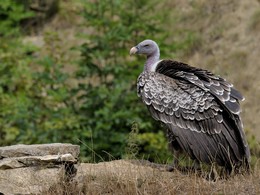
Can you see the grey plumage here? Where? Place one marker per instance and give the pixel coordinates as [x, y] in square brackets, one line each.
[200, 110]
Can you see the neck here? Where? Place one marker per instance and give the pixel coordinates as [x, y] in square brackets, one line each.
[151, 61]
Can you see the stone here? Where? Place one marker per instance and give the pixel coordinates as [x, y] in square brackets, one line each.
[26, 161]
[33, 169]
[39, 150]
[29, 180]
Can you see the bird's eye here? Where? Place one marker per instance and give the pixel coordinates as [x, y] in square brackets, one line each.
[146, 45]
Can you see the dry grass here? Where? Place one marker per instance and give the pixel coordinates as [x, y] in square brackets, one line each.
[255, 21]
[123, 177]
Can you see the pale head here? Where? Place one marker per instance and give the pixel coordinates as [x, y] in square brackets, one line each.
[150, 49]
[147, 47]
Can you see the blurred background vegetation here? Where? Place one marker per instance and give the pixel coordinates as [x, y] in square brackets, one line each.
[66, 74]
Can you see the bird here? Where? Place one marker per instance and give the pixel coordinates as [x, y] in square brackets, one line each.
[200, 110]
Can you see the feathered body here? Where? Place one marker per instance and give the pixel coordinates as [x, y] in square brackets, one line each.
[200, 110]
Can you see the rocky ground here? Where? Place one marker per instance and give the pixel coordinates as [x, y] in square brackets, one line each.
[55, 169]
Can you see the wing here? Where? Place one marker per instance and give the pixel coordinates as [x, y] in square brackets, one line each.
[193, 115]
[219, 87]
[224, 92]
[181, 102]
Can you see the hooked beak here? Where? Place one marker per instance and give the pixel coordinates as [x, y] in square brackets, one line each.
[133, 50]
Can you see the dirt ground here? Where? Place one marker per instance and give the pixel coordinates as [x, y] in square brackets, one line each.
[127, 177]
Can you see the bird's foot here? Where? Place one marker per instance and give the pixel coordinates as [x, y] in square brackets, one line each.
[170, 168]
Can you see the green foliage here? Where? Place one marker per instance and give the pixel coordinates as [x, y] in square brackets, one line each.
[36, 106]
[51, 116]
[154, 147]
[12, 13]
[109, 101]
[15, 74]
[15, 81]
[35, 100]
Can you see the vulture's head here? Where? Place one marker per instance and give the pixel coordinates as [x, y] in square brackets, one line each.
[146, 47]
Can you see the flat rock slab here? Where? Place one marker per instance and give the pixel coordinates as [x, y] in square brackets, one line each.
[33, 169]
[29, 180]
[39, 150]
[27, 161]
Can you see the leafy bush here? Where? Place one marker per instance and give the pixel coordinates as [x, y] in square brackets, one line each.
[35, 105]
[34, 93]
[109, 101]
[14, 73]
[12, 13]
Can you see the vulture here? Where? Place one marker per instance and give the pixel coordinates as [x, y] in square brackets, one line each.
[200, 110]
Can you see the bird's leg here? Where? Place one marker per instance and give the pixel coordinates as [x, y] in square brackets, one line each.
[175, 149]
[176, 157]
[213, 174]
[175, 162]
[196, 165]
